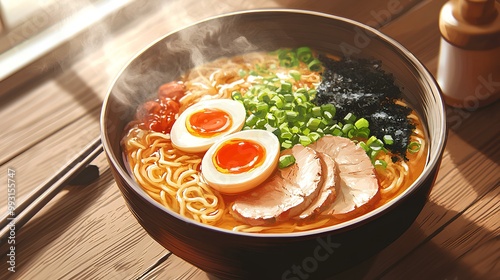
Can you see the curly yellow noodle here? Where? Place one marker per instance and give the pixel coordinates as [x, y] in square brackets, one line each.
[154, 174]
[169, 190]
[136, 144]
[170, 163]
[165, 174]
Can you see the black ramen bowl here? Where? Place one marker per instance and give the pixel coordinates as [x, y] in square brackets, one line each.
[230, 255]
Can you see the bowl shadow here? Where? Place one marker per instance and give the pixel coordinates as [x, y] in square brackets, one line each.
[433, 260]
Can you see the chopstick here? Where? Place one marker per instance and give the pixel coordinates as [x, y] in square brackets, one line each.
[46, 191]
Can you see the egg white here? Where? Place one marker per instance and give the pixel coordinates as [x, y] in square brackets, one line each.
[237, 183]
[183, 140]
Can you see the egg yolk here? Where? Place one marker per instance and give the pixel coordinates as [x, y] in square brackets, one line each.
[208, 122]
[238, 155]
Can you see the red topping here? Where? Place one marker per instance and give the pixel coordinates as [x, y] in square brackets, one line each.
[172, 90]
[160, 114]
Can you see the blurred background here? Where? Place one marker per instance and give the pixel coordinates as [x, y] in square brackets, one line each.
[41, 35]
[37, 34]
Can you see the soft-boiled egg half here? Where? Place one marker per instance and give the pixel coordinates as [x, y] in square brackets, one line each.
[201, 124]
[240, 161]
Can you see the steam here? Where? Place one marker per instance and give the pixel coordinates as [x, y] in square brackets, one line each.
[180, 51]
[172, 56]
[210, 40]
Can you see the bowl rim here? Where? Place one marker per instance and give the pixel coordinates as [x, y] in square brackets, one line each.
[431, 165]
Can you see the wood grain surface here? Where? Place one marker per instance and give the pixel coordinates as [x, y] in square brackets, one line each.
[87, 232]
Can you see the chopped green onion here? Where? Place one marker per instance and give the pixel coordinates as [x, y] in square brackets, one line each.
[300, 98]
[301, 109]
[364, 146]
[236, 95]
[304, 54]
[380, 163]
[287, 144]
[313, 124]
[291, 115]
[329, 108]
[376, 145]
[288, 98]
[284, 126]
[347, 127]
[314, 65]
[316, 111]
[242, 73]
[363, 132]
[264, 97]
[295, 75]
[327, 115]
[388, 139]
[361, 123]
[286, 87]
[373, 154]
[278, 101]
[288, 58]
[280, 115]
[329, 118]
[352, 133]
[371, 140]
[261, 109]
[271, 128]
[312, 93]
[304, 140]
[271, 119]
[261, 123]
[294, 129]
[325, 123]
[251, 106]
[285, 161]
[414, 147]
[350, 118]
[277, 132]
[336, 130]
[251, 120]
[289, 106]
[314, 136]
[286, 135]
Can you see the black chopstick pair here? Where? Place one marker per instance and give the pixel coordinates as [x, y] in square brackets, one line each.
[77, 171]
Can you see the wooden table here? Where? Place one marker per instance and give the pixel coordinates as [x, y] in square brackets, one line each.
[87, 232]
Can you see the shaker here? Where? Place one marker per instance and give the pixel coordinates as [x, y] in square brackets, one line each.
[469, 57]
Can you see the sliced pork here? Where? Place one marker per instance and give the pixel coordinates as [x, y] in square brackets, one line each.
[287, 193]
[327, 192]
[358, 187]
